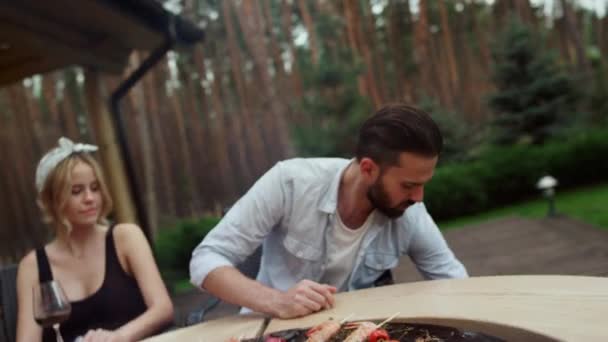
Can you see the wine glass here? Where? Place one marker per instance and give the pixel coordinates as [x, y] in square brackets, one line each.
[51, 306]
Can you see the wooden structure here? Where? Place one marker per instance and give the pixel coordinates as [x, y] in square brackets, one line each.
[99, 35]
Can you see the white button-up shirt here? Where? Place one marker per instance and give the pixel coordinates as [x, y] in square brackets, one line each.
[291, 209]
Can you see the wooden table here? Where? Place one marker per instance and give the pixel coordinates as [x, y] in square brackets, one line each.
[519, 308]
[240, 326]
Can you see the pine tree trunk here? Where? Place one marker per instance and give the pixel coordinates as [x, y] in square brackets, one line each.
[74, 106]
[599, 33]
[574, 35]
[252, 144]
[157, 104]
[142, 126]
[49, 94]
[281, 85]
[252, 25]
[189, 181]
[366, 82]
[481, 35]
[438, 66]
[564, 43]
[448, 47]
[220, 136]
[209, 167]
[422, 42]
[467, 73]
[196, 131]
[286, 25]
[68, 113]
[23, 129]
[398, 50]
[34, 114]
[310, 28]
[376, 70]
[525, 12]
[604, 40]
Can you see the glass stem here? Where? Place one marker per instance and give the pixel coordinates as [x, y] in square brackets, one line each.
[57, 333]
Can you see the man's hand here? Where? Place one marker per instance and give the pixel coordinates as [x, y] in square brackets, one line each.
[303, 299]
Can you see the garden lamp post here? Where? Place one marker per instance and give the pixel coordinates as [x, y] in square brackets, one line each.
[547, 185]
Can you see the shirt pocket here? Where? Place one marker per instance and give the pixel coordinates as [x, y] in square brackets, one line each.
[301, 250]
[374, 265]
[379, 262]
[301, 260]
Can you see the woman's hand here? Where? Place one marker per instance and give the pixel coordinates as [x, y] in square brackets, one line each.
[100, 335]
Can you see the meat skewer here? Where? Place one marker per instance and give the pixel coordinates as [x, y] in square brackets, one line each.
[365, 329]
[324, 331]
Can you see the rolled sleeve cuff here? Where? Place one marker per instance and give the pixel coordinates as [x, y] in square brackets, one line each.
[202, 264]
[451, 269]
[460, 271]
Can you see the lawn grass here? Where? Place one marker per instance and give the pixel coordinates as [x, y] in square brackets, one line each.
[589, 204]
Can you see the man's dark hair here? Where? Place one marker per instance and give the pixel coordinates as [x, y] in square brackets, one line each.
[395, 129]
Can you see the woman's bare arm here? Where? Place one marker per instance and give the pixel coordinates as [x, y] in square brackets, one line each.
[27, 276]
[143, 267]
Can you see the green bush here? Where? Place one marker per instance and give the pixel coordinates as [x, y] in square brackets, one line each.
[503, 175]
[173, 246]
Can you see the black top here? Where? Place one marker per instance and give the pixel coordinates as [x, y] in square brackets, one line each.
[117, 302]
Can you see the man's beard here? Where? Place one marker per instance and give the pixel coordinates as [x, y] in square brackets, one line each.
[379, 199]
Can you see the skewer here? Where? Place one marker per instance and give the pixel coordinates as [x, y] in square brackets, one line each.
[345, 319]
[259, 337]
[388, 319]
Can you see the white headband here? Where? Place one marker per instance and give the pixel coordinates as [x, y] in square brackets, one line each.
[50, 160]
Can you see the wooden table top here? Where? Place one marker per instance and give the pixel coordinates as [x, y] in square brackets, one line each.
[239, 326]
[531, 308]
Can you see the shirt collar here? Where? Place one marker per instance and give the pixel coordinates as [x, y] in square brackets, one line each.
[328, 202]
[329, 199]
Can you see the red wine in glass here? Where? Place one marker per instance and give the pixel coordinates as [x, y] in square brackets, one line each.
[50, 320]
[51, 306]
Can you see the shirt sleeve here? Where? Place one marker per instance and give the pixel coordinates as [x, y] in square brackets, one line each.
[429, 250]
[242, 229]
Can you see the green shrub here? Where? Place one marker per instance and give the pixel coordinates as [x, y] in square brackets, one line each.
[503, 175]
[173, 246]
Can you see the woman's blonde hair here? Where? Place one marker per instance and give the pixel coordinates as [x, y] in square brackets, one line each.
[53, 197]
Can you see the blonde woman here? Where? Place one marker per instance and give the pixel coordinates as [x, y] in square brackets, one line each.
[107, 272]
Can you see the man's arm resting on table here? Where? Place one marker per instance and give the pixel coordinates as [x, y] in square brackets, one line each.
[430, 252]
[306, 297]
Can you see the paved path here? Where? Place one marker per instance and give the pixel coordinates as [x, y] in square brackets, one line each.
[515, 245]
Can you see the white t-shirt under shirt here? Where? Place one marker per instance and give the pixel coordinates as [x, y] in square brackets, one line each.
[342, 247]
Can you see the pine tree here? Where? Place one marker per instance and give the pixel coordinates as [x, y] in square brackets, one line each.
[332, 104]
[533, 95]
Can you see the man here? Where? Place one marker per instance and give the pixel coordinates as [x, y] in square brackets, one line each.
[330, 224]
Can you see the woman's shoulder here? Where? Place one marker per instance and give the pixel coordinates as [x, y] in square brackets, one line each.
[128, 233]
[29, 260]
[28, 267]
